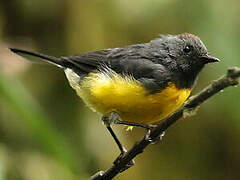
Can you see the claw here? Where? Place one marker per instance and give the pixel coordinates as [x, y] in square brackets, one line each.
[155, 140]
[130, 164]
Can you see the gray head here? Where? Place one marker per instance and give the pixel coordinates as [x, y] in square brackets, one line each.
[184, 53]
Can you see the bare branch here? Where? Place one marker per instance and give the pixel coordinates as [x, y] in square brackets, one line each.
[230, 79]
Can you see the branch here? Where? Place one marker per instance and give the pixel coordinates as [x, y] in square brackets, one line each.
[230, 79]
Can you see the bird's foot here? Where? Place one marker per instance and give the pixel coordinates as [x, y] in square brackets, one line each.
[123, 153]
[155, 139]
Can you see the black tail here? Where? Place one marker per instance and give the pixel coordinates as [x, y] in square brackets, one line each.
[51, 59]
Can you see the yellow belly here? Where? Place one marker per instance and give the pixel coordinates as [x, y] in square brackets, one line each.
[129, 98]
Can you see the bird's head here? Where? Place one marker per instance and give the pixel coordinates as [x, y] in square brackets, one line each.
[184, 53]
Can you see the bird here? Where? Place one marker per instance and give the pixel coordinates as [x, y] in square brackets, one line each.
[135, 85]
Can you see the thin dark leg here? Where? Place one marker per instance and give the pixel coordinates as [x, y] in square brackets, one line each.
[107, 120]
[145, 126]
[148, 127]
[120, 146]
[111, 118]
[114, 118]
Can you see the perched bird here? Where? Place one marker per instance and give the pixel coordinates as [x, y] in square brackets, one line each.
[136, 85]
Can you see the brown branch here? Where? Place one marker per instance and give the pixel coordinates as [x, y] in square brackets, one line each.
[230, 79]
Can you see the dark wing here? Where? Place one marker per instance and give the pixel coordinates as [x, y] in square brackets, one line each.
[130, 60]
[90, 61]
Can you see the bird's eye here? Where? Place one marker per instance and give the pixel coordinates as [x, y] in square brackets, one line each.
[187, 49]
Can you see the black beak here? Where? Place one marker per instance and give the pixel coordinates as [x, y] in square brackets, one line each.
[209, 59]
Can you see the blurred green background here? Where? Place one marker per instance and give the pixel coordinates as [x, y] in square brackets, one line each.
[47, 133]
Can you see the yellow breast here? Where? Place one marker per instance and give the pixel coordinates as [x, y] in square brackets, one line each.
[129, 98]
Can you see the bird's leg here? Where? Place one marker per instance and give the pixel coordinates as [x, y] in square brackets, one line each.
[145, 126]
[107, 120]
[117, 120]
[148, 127]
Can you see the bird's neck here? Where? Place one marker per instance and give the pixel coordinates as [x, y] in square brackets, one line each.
[186, 82]
[186, 79]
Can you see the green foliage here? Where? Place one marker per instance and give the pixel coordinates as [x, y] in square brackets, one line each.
[28, 113]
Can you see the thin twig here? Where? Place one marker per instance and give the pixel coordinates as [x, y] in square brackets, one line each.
[230, 79]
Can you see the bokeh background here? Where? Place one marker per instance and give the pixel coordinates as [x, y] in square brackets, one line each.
[47, 133]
